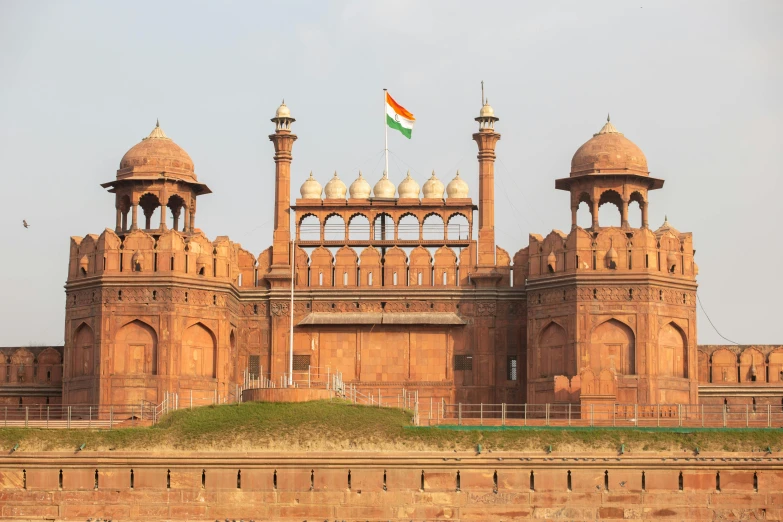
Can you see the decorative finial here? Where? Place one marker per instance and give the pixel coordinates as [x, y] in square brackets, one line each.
[157, 122]
[360, 174]
[665, 217]
[283, 102]
[335, 173]
[608, 119]
[385, 174]
[482, 92]
[457, 172]
[311, 174]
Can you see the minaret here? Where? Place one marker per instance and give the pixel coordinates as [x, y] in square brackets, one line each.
[283, 141]
[486, 138]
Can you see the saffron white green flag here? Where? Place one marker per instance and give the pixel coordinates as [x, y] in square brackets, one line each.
[398, 117]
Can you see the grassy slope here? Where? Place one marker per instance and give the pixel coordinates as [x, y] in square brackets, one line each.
[338, 425]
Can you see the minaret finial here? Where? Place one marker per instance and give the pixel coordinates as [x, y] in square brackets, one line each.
[608, 119]
[482, 92]
[283, 101]
[157, 122]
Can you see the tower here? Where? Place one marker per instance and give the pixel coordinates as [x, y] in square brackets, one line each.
[156, 174]
[283, 140]
[611, 310]
[486, 139]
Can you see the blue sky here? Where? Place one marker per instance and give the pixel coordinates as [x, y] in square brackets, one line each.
[696, 85]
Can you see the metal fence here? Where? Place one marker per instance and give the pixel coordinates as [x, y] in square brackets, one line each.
[78, 416]
[607, 415]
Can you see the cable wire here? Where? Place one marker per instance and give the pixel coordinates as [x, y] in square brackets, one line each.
[710, 320]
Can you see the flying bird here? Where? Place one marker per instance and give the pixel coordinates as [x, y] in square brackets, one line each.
[24, 222]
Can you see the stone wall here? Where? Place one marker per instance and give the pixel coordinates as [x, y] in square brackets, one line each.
[371, 486]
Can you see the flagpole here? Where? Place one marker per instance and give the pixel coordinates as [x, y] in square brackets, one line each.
[385, 135]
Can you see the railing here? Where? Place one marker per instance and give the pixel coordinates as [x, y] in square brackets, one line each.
[77, 416]
[613, 415]
[405, 232]
[313, 377]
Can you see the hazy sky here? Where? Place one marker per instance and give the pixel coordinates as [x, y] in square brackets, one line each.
[696, 85]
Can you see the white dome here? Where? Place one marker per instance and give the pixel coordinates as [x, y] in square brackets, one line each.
[433, 188]
[310, 189]
[360, 189]
[457, 188]
[283, 111]
[335, 189]
[408, 188]
[384, 188]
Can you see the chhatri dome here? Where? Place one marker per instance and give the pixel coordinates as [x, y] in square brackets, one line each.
[310, 189]
[360, 189]
[335, 189]
[609, 152]
[154, 155]
[408, 188]
[384, 188]
[433, 188]
[457, 188]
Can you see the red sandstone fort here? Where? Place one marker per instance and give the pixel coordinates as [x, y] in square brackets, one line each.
[394, 287]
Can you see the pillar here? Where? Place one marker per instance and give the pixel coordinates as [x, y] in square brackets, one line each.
[118, 225]
[624, 214]
[283, 141]
[644, 214]
[574, 211]
[594, 213]
[186, 228]
[163, 217]
[135, 216]
[486, 139]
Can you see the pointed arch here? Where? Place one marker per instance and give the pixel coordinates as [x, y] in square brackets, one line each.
[135, 349]
[82, 351]
[553, 357]
[199, 352]
[672, 351]
[612, 346]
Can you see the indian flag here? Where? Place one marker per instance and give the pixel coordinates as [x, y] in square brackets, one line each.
[398, 117]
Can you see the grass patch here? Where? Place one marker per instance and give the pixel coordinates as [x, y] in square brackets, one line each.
[338, 426]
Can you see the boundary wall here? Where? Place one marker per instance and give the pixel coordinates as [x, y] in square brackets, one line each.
[385, 486]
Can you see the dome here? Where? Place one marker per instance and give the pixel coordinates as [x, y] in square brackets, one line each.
[384, 188]
[609, 152]
[666, 227]
[457, 188]
[283, 111]
[310, 189]
[360, 189]
[433, 188]
[487, 111]
[157, 154]
[335, 189]
[408, 188]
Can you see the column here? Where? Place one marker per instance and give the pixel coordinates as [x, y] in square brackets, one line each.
[134, 217]
[283, 141]
[486, 139]
[117, 227]
[163, 217]
[192, 220]
[624, 214]
[186, 228]
[574, 210]
[594, 212]
[643, 204]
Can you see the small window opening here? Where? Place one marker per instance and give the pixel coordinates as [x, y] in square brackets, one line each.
[60, 480]
[717, 481]
[203, 479]
[684, 298]
[345, 278]
[104, 262]
[606, 480]
[644, 482]
[320, 279]
[394, 279]
[255, 309]
[646, 260]
[419, 278]
[539, 298]
[630, 294]
[445, 278]
[369, 279]
[168, 479]
[239, 479]
[312, 480]
[172, 263]
[186, 263]
[422, 480]
[532, 481]
[349, 479]
[131, 479]
[754, 399]
[96, 480]
[214, 299]
[564, 295]
[155, 262]
[201, 271]
[458, 481]
[660, 295]
[463, 362]
[384, 480]
[121, 263]
[755, 482]
[119, 295]
[154, 295]
[680, 481]
[274, 480]
[186, 297]
[214, 267]
[568, 480]
[24, 479]
[595, 293]
[495, 481]
[511, 368]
